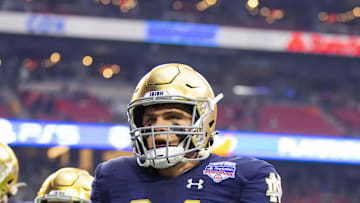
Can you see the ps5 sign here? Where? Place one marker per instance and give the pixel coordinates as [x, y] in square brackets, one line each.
[117, 137]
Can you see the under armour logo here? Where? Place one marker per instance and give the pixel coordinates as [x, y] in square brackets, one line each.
[199, 184]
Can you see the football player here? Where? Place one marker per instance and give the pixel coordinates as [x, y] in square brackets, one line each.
[66, 185]
[9, 171]
[172, 117]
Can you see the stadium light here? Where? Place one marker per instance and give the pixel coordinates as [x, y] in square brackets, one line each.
[252, 3]
[201, 6]
[115, 68]
[356, 11]
[55, 57]
[47, 63]
[108, 73]
[177, 5]
[57, 151]
[106, 2]
[87, 60]
[247, 90]
[265, 11]
[323, 16]
[211, 2]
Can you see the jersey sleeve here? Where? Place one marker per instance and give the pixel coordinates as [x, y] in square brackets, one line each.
[99, 192]
[263, 186]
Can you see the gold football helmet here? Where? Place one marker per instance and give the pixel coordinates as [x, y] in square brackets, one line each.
[66, 185]
[173, 83]
[9, 171]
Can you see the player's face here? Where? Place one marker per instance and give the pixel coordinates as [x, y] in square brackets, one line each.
[165, 115]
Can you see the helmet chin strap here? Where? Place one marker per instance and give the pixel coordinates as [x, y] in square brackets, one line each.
[204, 154]
[143, 163]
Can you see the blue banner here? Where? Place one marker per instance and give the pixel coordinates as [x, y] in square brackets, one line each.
[45, 24]
[182, 33]
[117, 137]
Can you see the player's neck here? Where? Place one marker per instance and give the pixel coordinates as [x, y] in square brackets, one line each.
[176, 170]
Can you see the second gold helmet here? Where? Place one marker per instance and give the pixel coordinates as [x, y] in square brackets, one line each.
[9, 171]
[66, 185]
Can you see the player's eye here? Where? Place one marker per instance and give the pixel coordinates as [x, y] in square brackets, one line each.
[172, 117]
[149, 121]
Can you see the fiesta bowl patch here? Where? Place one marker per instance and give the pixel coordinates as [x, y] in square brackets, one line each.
[219, 171]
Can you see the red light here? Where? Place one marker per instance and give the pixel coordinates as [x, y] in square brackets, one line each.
[331, 19]
[30, 64]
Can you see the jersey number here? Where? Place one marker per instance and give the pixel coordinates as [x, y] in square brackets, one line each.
[148, 201]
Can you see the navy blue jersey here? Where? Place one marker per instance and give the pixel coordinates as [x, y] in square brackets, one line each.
[215, 179]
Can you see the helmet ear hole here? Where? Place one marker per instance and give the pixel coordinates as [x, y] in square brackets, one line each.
[211, 123]
[211, 141]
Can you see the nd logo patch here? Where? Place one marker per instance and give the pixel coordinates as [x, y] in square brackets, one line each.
[274, 190]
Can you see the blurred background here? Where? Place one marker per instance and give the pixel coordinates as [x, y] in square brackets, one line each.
[290, 72]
